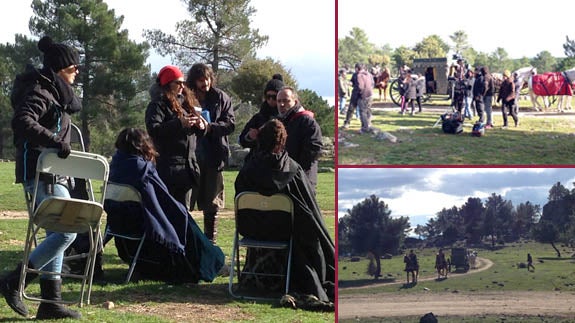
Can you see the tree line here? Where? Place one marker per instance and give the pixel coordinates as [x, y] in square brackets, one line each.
[369, 227]
[114, 78]
[356, 47]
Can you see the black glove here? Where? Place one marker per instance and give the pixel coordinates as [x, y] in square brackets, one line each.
[63, 149]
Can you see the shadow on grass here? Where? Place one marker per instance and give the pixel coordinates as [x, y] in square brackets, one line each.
[556, 258]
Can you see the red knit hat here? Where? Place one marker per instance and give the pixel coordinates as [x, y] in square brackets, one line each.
[169, 73]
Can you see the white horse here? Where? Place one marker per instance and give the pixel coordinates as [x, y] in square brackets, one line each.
[472, 258]
[564, 101]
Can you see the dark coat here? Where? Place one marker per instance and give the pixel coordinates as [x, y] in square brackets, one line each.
[304, 141]
[42, 105]
[175, 144]
[479, 86]
[506, 91]
[175, 240]
[410, 89]
[213, 148]
[265, 114]
[313, 270]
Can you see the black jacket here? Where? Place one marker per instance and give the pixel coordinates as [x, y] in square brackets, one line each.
[313, 269]
[175, 144]
[265, 114]
[213, 148]
[42, 105]
[304, 141]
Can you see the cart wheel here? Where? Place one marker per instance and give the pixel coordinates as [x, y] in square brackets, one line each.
[394, 92]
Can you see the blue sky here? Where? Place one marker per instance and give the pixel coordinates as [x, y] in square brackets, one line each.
[422, 192]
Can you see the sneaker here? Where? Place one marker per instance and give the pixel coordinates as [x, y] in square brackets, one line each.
[488, 126]
[504, 127]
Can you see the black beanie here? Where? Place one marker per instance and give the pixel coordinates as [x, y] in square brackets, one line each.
[57, 56]
[274, 85]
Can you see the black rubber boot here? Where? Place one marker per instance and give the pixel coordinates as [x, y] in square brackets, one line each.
[9, 288]
[51, 290]
[210, 226]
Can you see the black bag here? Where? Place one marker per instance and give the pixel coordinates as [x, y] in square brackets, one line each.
[428, 318]
[452, 123]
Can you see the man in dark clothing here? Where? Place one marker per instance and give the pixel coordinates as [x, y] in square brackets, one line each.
[488, 95]
[353, 100]
[272, 171]
[212, 150]
[478, 93]
[268, 110]
[304, 134]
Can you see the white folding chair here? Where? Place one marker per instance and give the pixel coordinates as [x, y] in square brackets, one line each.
[71, 215]
[122, 193]
[272, 216]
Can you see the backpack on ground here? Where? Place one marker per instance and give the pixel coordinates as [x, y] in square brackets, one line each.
[452, 123]
[428, 318]
[478, 129]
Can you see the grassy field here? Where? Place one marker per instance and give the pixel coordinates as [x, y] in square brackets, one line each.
[537, 140]
[551, 273]
[147, 301]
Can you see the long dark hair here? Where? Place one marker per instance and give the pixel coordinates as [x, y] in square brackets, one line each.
[136, 141]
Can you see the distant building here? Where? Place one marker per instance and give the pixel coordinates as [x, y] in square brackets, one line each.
[439, 67]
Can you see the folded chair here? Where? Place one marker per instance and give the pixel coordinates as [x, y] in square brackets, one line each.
[264, 222]
[122, 198]
[71, 215]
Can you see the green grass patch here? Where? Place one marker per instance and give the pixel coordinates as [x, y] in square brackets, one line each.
[551, 273]
[537, 140]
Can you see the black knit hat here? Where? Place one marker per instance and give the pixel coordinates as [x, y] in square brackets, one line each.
[57, 56]
[275, 84]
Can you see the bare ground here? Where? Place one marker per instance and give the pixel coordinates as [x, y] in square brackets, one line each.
[556, 304]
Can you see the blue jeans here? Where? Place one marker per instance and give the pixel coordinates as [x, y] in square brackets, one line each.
[342, 104]
[49, 254]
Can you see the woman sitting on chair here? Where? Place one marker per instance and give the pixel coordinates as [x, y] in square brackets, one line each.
[176, 250]
[272, 171]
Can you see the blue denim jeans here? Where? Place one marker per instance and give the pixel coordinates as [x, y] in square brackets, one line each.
[49, 254]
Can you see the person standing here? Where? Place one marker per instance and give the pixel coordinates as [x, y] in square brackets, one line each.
[43, 101]
[365, 86]
[414, 266]
[304, 141]
[530, 262]
[507, 98]
[354, 98]
[478, 93]
[410, 93]
[173, 124]
[488, 96]
[268, 111]
[212, 149]
[342, 87]
[420, 90]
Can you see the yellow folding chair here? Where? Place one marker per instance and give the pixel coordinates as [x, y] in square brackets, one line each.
[264, 222]
[71, 215]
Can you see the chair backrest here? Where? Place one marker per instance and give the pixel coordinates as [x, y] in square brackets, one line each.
[68, 215]
[77, 164]
[122, 193]
[264, 217]
[76, 137]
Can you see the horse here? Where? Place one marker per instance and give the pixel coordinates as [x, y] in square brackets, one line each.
[472, 258]
[441, 265]
[381, 82]
[562, 87]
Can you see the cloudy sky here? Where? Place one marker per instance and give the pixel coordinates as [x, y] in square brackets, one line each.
[521, 28]
[301, 33]
[422, 192]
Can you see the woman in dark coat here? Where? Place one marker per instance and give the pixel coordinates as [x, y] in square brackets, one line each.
[181, 252]
[174, 124]
[272, 171]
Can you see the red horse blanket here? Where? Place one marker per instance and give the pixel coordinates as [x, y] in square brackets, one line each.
[552, 83]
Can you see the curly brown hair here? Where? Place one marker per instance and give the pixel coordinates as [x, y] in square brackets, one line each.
[272, 137]
[134, 141]
[190, 101]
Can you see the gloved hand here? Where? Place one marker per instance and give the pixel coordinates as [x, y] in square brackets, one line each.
[63, 149]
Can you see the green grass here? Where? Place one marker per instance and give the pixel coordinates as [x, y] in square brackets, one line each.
[552, 274]
[155, 301]
[537, 140]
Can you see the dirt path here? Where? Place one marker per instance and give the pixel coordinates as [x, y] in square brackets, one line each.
[458, 304]
[555, 304]
[481, 265]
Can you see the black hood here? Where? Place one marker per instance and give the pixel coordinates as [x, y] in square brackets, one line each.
[271, 173]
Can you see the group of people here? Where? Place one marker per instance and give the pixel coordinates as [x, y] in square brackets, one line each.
[474, 90]
[175, 163]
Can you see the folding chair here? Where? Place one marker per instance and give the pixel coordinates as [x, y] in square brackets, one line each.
[264, 222]
[120, 198]
[72, 215]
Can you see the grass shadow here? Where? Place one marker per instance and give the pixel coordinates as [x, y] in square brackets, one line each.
[364, 282]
